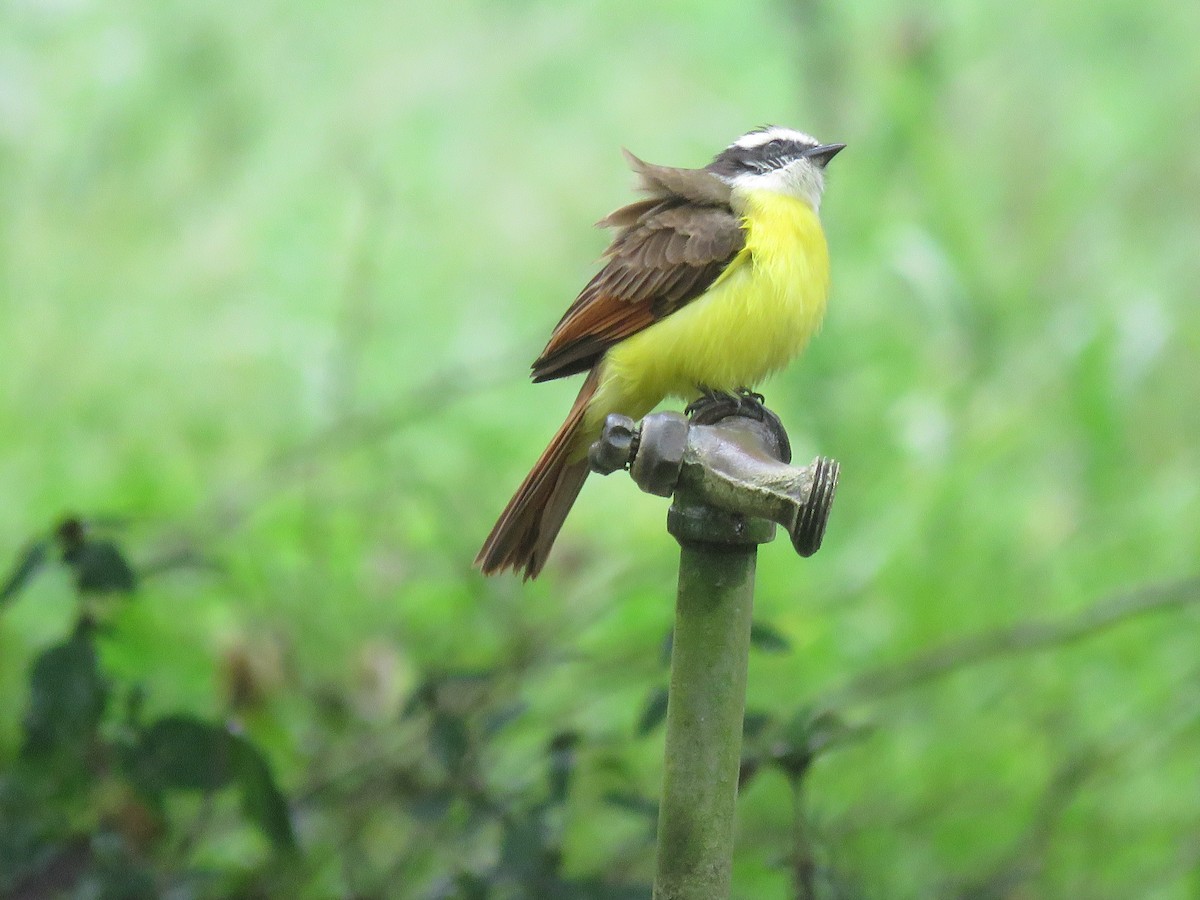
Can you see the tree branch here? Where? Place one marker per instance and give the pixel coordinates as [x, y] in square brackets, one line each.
[1023, 637]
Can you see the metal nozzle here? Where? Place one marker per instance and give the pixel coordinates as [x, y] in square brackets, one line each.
[733, 465]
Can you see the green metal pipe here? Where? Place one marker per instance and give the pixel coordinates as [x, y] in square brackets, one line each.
[707, 700]
[723, 459]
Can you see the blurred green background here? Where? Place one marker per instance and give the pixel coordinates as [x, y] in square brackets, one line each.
[270, 278]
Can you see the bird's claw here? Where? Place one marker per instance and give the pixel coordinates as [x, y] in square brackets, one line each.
[713, 405]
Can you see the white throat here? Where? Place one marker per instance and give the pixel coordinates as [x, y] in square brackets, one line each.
[801, 179]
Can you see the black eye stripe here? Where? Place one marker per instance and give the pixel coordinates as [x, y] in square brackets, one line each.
[769, 155]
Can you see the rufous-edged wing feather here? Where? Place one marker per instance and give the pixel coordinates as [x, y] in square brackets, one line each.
[668, 250]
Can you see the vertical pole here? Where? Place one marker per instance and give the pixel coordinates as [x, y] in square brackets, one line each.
[736, 460]
[707, 699]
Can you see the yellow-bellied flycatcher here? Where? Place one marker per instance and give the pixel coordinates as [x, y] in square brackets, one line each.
[714, 281]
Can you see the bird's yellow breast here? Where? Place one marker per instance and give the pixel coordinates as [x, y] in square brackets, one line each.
[753, 320]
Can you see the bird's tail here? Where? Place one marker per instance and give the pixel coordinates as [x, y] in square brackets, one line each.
[525, 531]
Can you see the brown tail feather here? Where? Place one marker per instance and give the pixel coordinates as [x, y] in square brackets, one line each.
[525, 531]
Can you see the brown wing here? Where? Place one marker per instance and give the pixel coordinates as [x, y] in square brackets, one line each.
[670, 248]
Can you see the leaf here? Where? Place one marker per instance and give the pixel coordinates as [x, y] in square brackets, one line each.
[806, 737]
[31, 825]
[653, 713]
[754, 723]
[465, 886]
[116, 873]
[183, 753]
[449, 741]
[749, 767]
[768, 639]
[48, 866]
[756, 726]
[429, 804]
[100, 568]
[421, 698]
[790, 751]
[561, 764]
[67, 695]
[29, 564]
[829, 730]
[262, 801]
[135, 703]
[457, 692]
[632, 802]
[527, 853]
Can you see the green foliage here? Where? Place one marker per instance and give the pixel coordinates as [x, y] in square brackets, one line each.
[28, 565]
[67, 696]
[86, 801]
[269, 279]
[654, 713]
[769, 639]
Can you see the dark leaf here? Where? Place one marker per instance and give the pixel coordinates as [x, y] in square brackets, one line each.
[472, 887]
[754, 724]
[653, 713]
[768, 639]
[449, 741]
[31, 824]
[830, 730]
[29, 564]
[561, 764]
[526, 851]
[135, 702]
[631, 802]
[183, 753]
[825, 730]
[116, 873]
[464, 886]
[52, 869]
[806, 736]
[70, 533]
[456, 692]
[101, 568]
[790, 751]
[750, 766]
[262, 801]
[67, 695]
[422, 697]
[429, 804]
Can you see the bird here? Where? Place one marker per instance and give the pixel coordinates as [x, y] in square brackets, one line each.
[715, 279]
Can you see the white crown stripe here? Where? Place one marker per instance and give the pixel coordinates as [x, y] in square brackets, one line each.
[775, 132]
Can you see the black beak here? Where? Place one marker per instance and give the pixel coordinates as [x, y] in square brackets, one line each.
[823, 154]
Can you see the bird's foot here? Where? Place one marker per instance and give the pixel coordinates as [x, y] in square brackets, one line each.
[712, 406]
[707, 397]
[752, 401]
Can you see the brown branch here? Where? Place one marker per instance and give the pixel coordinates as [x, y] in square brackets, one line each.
[804, 866]
[1023, 637]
